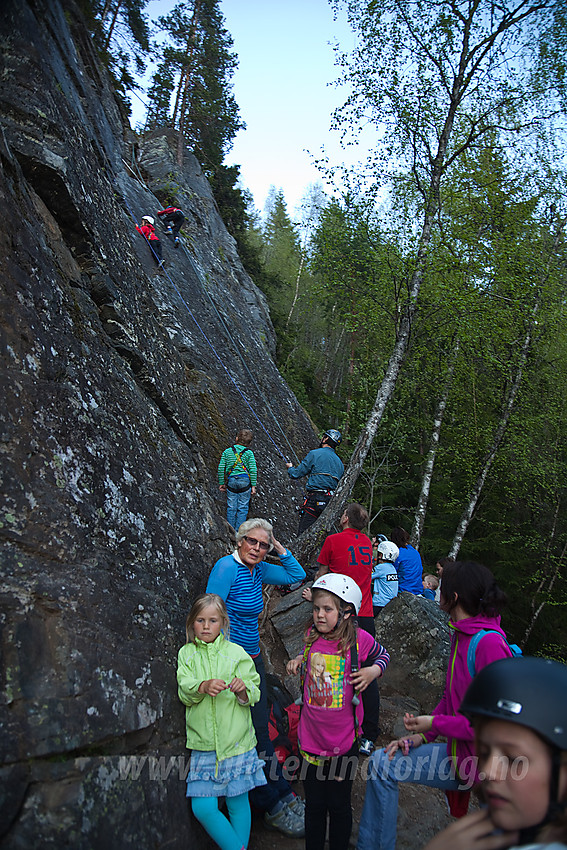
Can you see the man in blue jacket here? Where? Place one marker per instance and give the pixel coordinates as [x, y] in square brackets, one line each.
[324, 469]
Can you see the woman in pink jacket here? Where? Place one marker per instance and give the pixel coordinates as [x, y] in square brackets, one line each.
[473, 600]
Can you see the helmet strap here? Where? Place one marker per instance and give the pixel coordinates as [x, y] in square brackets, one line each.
[555, 807]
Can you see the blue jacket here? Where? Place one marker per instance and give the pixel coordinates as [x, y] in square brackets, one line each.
[410, 570]
[385, 583]
[323, 466]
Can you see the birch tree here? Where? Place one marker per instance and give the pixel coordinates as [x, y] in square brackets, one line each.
[434, 78]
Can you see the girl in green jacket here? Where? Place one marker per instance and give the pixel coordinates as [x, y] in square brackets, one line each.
[218, 682]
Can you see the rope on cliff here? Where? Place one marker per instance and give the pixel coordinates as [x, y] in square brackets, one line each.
[211, 346]
[236, 348]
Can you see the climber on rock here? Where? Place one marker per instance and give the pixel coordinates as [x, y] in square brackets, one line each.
[148, 231]
[174, 218]
[324, 469]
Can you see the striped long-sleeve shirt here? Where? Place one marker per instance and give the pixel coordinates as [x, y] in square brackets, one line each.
[241, 590]
[229, 466]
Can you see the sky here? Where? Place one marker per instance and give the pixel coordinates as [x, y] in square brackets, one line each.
[284, 89]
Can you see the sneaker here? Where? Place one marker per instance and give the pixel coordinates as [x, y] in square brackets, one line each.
[366, 747]
[297, 806]
[286, 822]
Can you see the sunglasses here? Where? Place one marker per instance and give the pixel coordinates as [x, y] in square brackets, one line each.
[253, 542]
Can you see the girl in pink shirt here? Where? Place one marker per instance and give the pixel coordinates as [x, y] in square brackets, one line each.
[332, 712]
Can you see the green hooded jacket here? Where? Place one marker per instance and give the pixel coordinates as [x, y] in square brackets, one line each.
[218, 723]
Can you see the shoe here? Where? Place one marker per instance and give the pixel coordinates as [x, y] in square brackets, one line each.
[366, 747]
[286, 822]
[297, 806]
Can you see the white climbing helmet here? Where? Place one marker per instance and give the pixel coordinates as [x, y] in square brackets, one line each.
[389, 550]
[342, 586]
[149, 219]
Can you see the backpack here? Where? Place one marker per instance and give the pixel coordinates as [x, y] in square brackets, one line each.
[283, 720]
[476, 639]
[239, 486]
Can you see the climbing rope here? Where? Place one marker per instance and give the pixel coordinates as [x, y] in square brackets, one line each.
[208, 341]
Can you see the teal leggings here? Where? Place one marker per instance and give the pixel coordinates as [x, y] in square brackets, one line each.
[230, 833]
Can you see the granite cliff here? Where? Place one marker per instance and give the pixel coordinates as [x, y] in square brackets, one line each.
[120, 387]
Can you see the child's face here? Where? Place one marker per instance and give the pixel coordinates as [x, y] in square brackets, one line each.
[207, 627]
[325, 612]
[428, 583]
[319, 668]
[515, 771]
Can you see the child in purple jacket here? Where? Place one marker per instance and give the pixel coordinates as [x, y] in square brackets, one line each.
[473, 600]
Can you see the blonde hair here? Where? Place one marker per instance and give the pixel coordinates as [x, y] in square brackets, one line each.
[433, 581]
[344, 631]
[205, 600]
[318, 658]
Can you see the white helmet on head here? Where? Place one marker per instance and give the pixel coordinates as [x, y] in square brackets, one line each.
[342, 586]
[389, 550]
[149, 219]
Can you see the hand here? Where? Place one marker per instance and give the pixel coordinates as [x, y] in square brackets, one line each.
[252, 491]
[222, 488]
[288, 464]
[212, 687]
[473, 832]
[422, 723]
[238, 688]
[307, 594]
[362, 678]
[403, 744]
[280, 550]
[292, 667]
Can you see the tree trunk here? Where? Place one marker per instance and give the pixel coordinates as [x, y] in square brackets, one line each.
[112, 25]
[488, 460]
[421, 509]
[296, 291]
[547, 582]
[183, 88]
[312, 537]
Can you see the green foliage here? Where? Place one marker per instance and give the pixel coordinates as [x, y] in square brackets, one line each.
[195, 70]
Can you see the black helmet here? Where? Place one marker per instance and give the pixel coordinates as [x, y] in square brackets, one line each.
[524, 690]
[333, 435]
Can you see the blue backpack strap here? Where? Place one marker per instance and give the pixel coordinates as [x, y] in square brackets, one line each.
[476, 639]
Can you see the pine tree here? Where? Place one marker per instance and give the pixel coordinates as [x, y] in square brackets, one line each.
[191, 89]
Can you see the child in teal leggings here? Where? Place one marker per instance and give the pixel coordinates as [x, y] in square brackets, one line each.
[218, 682]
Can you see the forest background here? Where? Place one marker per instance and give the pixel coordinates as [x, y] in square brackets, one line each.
[418, 304]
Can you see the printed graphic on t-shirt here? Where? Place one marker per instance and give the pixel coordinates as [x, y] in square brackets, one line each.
[325, 685]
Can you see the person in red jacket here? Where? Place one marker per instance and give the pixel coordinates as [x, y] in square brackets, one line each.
[148, 230]
[174, 218]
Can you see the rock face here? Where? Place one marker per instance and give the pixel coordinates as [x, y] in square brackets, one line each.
[119, 389]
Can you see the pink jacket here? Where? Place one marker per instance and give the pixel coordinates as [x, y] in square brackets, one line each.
[446, 718]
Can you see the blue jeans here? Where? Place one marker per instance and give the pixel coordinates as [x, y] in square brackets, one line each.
[428, 765]
[237, 503]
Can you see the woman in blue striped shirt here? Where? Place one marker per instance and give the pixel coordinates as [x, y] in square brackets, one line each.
[238, 579]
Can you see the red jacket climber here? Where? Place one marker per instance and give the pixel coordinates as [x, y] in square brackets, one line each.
[147, 229]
